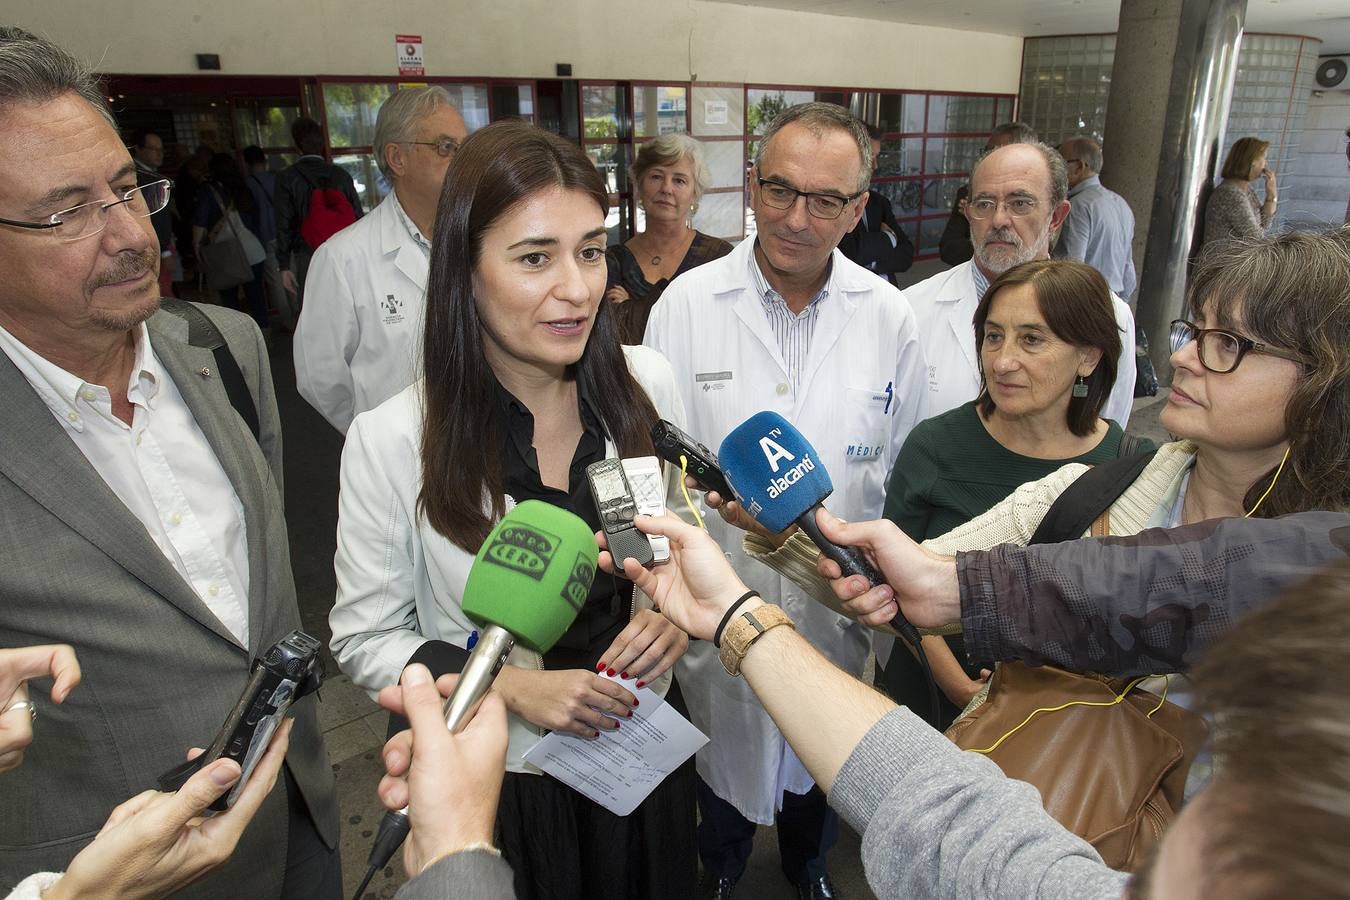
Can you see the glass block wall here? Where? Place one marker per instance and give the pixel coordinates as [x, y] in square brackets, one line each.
[1065, 81]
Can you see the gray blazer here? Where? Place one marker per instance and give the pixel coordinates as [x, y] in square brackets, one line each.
[160, 671]
[467, 875]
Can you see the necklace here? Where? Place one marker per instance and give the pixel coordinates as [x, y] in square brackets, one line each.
[656, 260]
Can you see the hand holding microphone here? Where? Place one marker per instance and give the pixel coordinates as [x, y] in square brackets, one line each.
[450, 783]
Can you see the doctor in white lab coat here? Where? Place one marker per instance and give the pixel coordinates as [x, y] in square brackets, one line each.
[855, 389]
[358, 339]
[945, 304]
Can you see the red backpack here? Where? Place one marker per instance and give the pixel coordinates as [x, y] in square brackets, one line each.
[329, 212]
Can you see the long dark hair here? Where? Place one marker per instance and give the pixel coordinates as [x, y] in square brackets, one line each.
[1293, 291]
[1076, 303]
[495, 170]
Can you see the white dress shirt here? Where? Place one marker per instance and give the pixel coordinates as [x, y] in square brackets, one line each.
[161, 466]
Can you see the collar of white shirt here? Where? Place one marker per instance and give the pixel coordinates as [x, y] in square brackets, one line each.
[408, 224]
[771, 298]
[68, 396]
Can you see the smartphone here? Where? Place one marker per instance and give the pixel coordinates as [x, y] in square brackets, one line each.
[672, 442]
[290, 669]
[649, 489]
[617, 506]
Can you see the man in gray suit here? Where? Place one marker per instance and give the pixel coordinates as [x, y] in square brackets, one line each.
[140, 520]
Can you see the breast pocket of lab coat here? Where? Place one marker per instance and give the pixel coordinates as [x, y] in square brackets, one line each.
[866, 436]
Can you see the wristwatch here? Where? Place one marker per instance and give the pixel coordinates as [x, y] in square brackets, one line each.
[745, 629]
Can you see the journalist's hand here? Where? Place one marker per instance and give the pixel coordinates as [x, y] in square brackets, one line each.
[648, 646]
[16, 667]
[450, 782]
[695, 588]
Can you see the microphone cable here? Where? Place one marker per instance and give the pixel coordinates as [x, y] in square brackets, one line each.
[394, 828]
[915, 640]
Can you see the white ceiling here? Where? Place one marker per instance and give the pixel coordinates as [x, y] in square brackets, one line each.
[1328, 20]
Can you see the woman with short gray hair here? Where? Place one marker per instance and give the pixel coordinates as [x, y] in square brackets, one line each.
[670, 177]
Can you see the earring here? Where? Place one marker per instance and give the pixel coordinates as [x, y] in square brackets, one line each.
[1080, 388]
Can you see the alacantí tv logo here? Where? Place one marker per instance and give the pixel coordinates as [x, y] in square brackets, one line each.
[775, 453]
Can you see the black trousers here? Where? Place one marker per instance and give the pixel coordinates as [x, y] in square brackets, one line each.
[313, 871]
[807, 829]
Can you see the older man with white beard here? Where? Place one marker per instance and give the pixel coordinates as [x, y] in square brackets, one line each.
[1018, 199]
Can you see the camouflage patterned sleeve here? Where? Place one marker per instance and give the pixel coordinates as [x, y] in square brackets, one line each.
[1146, 604]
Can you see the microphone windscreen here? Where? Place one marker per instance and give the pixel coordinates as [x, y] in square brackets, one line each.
[533, 573]
[774, 469]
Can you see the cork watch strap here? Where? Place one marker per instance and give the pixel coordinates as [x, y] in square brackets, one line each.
[745, 629]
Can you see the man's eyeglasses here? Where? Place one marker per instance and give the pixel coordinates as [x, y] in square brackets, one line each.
[822, 206]
[1017, 207]
[1220, 351]
[445, 147]
[88, 219]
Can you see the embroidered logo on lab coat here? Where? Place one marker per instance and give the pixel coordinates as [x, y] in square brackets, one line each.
[392, 309]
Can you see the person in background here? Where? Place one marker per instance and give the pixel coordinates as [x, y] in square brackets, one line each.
[1100, 228]
[225, 191]
[295, 186]
[190, 177]
[357, 340]
[1047, 340]
[955, 246]
[877, 242]
[1019, 199]
[787, 322]
[670, 177]
[525, 385]
[263, 185]
[1233, 209]
[147, 149]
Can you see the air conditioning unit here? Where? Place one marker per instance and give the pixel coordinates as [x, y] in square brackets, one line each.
[1332, 70]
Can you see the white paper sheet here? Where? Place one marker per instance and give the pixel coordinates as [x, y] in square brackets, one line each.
[620, 768]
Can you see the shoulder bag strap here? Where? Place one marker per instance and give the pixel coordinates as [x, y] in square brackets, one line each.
[1092, 494]
[202, 332]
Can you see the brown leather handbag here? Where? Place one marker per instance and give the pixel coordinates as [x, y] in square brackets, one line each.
[1111, 774]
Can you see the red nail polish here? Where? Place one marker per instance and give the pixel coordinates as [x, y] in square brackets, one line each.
[596, 735]
[636, 703]
[641, 683]
[623, 675]
[630, 714]
[609, 672]
[616, 726]
[600, 666]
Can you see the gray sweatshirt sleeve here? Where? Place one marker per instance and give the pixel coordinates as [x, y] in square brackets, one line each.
[1149, 603]
[940, 822]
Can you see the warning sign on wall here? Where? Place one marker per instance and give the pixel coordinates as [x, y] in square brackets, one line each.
[409, 54]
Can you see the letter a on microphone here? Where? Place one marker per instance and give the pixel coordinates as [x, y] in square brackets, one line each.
[773, 452]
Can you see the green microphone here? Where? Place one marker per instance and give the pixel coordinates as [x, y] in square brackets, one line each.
[527, 583]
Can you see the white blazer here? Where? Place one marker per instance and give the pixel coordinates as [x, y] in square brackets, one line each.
[862, 390]
[945, 307]
[399, 581]
[360, 331]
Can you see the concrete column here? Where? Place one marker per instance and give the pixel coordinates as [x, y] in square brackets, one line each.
[1170, 87]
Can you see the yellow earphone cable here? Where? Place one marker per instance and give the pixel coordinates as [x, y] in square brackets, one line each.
[1272, 483]
[1112, 702]
[684, 489]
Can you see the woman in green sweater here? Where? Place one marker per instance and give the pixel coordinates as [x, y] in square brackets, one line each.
[1048, 344]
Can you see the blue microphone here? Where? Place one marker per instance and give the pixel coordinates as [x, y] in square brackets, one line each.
[780, 481]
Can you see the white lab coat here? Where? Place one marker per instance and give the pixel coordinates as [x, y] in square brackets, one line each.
[945, 308]
[861, 393]
[399, 581]
[360, 330]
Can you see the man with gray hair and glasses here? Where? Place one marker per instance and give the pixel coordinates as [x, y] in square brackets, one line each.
[356, 344]
[1018, 199]
[142, 511]
[1100, 228]
[786, 322]
[954, 246]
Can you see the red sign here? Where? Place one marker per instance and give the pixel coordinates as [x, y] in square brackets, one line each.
[409, 54]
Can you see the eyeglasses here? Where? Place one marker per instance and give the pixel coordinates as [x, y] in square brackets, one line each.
[1221, 351]
[88, 219]
[445, 147]
[822, 206]
[1017, 207]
